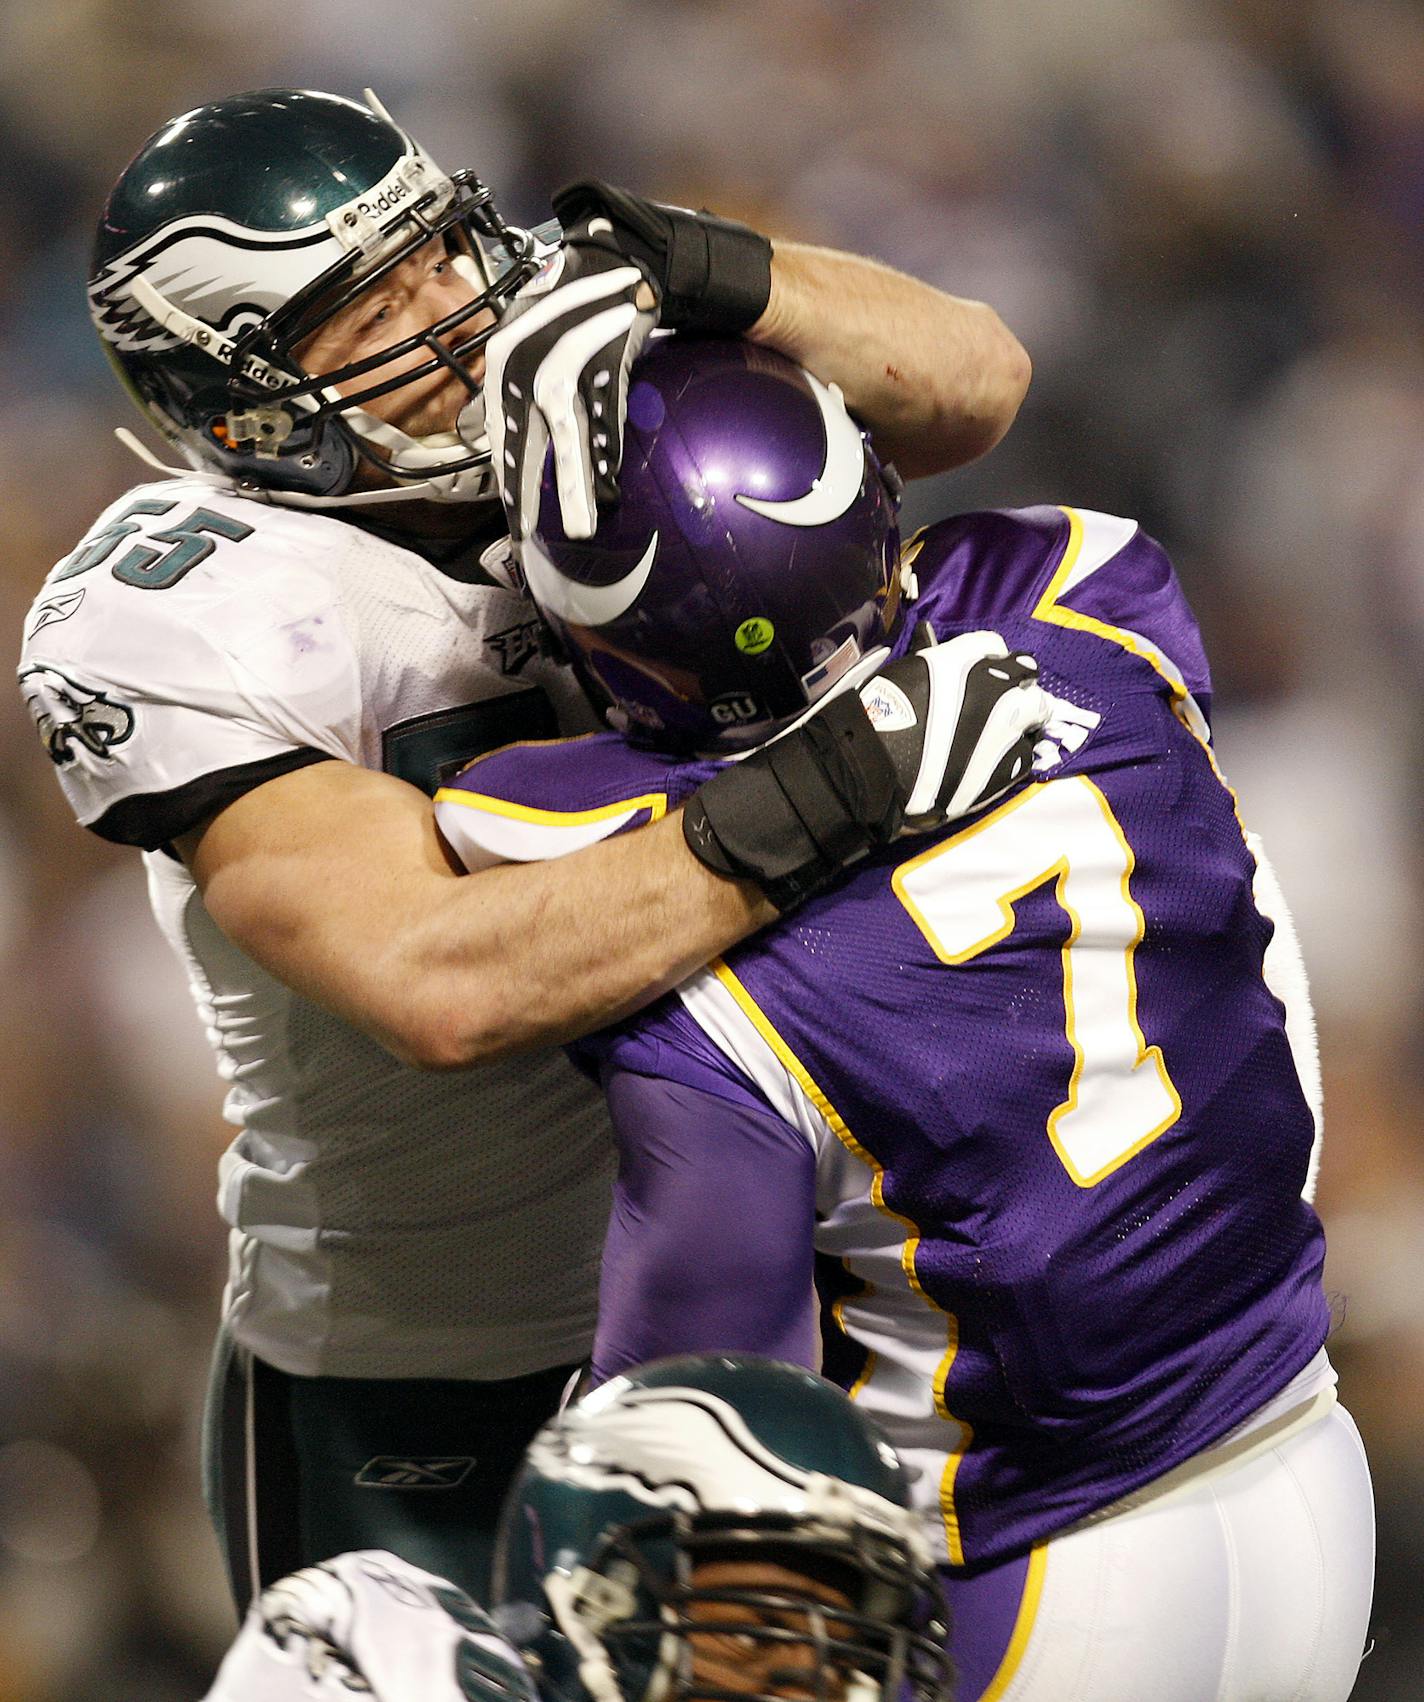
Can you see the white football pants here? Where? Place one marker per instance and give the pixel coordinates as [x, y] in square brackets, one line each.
[1246, 1576]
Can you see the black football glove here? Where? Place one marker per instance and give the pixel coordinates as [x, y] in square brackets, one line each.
[713, 275]
[558, 366]
[938, 734]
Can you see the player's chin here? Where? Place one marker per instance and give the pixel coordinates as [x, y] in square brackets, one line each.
[453, 397]
[435, 416]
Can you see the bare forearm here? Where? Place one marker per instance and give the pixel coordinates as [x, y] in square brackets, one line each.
[532, 954]
[937, 379]
[335, 880]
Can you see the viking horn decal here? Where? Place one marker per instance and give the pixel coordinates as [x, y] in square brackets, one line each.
[579, 604]
[839, 482]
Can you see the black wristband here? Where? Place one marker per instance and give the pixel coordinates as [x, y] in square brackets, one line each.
[719, 276]
[792, 815]
[713, 275]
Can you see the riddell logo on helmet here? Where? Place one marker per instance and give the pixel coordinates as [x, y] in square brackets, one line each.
[391, 196]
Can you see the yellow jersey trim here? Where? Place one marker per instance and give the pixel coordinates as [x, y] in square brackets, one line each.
[836, 1123]
[1049, 609]
[1024, 1623]
[655, 802]
[867, 1371]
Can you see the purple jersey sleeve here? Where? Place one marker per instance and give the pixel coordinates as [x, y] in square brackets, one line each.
[532, 801]
[709, 1242]
[1070, 569]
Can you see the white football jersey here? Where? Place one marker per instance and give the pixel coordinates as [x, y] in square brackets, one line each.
[370, 1624]
[385, 1222]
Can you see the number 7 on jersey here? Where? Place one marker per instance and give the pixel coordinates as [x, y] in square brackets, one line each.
[962, 895]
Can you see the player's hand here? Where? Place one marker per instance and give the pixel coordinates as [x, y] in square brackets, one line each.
[958, 720]
[934, 736]
[557, 369]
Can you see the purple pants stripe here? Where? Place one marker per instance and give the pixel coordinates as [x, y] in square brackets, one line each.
[992, 1616]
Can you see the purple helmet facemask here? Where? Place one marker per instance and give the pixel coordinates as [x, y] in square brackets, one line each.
[751, 561]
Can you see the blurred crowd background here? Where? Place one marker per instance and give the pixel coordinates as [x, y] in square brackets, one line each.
[1205, 219]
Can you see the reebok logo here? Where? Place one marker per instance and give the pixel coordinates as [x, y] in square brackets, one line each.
[405, 1471]
[58, 608]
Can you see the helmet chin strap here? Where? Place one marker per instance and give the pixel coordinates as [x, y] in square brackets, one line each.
[455, 487]
[136, 446]
[409, 456]
[428, 490]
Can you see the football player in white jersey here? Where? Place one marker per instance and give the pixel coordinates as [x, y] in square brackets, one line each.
[310, 624]
[715, 1526]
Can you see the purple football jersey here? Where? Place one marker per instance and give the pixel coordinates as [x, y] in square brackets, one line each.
[1060, 1138]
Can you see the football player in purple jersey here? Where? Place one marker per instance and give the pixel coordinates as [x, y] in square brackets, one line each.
[1039, 1092]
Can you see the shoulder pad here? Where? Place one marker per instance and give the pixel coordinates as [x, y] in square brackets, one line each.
[530, 802]
[1071, 568]
[985, 566]
[175, 574]
[191, 633]
[1116, 582]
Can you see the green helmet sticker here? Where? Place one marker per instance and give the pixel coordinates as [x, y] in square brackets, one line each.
[754, 635]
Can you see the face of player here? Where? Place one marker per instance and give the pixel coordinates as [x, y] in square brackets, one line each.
[735, 1660]
[423, 289]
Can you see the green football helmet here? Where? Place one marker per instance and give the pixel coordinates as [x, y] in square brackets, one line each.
[240, 229]
[625, 1495]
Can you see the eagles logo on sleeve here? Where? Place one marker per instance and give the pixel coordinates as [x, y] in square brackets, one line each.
[515, 645]
[69, 714]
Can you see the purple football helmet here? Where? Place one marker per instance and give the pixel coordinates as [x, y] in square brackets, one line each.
[752, 559]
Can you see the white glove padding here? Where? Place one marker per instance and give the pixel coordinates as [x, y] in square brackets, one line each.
[369, 1624]
[959, 720]
[559, 369]
[933, 736]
